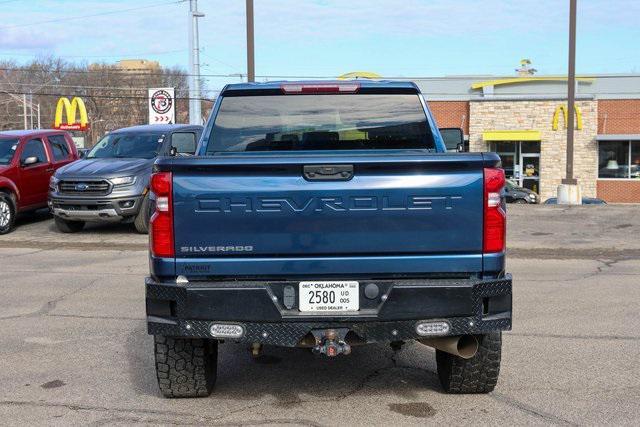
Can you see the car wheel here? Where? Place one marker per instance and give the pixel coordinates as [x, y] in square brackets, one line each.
[7, 213]
[520, 201]
[142, 219]
[68, 226]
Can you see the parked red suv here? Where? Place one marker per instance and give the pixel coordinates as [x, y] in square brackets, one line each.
[28, 158]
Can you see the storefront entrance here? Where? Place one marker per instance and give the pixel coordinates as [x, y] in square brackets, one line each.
[521, 162]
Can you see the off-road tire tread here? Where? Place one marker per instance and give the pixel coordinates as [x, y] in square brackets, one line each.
[476, 375]
[185, 367]
[65, 226]
[142, 219]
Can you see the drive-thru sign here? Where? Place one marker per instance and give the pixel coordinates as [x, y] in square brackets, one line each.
[162, 106]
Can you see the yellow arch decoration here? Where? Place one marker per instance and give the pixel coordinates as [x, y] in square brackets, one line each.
[516, 80]
[360, 75]
[76, 105]
[565, 114]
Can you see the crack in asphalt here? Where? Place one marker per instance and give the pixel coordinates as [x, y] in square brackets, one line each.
[51, 305]
[529, 409]
[22, 254]
[80, 316]
[576, 337]
[193, 419]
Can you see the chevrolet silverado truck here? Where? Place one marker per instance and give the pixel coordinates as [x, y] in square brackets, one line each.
[326, 215]
[111, 182]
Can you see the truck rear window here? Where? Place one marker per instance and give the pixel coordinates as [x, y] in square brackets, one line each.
[320, 122]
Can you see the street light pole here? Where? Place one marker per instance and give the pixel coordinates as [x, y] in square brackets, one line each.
[251, 68]
[195, 113]
[569, 179]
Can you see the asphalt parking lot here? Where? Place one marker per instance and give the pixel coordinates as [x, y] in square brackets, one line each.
[74, 347]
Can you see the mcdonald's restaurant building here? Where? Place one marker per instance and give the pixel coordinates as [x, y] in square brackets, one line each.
[524, 120]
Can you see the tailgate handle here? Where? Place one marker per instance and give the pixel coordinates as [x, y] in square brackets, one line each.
[328, 172]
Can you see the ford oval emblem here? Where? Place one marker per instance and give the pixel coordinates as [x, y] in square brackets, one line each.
[81, 187]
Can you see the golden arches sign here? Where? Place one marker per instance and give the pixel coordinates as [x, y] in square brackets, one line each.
[565, 113]
[76, 105]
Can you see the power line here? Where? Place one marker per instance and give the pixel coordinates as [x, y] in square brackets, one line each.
[82, 87]
[99, 56]
[101, 96]
[71, 18]
[134, 72]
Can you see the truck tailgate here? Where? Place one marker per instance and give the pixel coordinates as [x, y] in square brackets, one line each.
[265, 206]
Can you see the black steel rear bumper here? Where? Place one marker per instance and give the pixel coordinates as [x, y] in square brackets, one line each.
[268, 316]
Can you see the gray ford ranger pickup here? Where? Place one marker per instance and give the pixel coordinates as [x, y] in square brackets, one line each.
[112, 182]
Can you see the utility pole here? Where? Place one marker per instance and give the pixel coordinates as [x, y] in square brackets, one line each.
[251, 67]
[24, 109]
[195, 113]
[569, 191]
[569, 179]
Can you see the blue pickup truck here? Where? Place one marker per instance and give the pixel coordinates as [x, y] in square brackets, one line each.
[327, 215]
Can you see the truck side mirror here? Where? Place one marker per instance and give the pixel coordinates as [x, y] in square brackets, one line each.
[30, 161]
[453, 139]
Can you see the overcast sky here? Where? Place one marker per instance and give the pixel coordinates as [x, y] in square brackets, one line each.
[331, 37]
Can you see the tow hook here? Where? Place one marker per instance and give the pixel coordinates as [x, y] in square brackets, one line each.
[331, 342]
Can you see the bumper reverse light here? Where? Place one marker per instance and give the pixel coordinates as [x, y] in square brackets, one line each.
[425, 329]
[225, 330]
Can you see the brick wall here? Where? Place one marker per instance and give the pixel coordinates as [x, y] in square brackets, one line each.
[451, 114]
[538, 115]
[618, 116]
[619, 191]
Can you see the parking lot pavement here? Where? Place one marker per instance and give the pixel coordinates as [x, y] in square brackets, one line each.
[75, 351]
[74, 347]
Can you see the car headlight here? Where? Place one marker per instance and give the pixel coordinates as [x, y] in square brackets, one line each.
[53, 182]
[123, 180]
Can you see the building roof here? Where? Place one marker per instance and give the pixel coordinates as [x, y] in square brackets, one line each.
[487, 87]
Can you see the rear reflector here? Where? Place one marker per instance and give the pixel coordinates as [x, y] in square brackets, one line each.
[161, 222]
[300, 89]
[226, 330]
[495, 218]
[429, 328]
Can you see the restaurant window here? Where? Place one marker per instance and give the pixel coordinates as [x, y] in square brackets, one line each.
[619, 159]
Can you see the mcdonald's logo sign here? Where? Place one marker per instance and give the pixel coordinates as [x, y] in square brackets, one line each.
[565, 113]
[71, 108]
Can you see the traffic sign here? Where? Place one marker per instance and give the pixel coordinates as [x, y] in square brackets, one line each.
[162, 106]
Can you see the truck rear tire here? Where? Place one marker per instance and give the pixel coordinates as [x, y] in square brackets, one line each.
[186, 367]
[68, 226]
[142, 219]
[478, 374]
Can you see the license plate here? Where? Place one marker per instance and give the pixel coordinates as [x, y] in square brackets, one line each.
[329, 296]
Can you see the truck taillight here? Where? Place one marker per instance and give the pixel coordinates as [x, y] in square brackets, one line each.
[161, 223]
[495, 218]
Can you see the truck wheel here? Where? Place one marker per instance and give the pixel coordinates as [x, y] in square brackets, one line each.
[186, 367]
[142, 219]
[476, 375]
[68, 226]
[7, 213]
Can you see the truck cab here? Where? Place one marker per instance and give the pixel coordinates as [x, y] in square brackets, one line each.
[328, 216]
